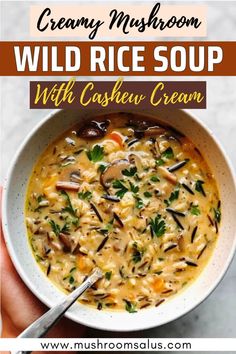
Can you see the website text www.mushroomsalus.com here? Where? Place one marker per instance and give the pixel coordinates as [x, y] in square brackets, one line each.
[122, 345]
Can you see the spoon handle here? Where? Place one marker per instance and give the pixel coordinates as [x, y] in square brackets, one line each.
[42, 325]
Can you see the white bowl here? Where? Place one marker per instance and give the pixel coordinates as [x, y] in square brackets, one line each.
[21, 255]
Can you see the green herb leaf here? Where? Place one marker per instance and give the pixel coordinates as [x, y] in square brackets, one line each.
[154, 179]
[129, 173]
[174, 196]
[117, 184]
[69, 208]
[139, 203]
[38, 258]
[107, 228]
[130, 306]
[85, 195]
[75, 222]
[65, 228]
[168, 153]
[199, 187]
[55, 227]
[158, 226]
[195, 210]
[71, 280]
[147, 194]
[96, 154]
[137, 253]
[40, 198]
[102, 167]
[217, 214]
[134, 189]
[160, 162]
[108, 275]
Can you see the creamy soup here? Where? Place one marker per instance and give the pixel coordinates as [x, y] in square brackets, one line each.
[131, 196]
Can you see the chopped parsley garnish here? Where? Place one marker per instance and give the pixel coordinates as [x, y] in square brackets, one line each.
[40, 198]
[134, 189]
[174, 196]
[147, 194]
[130, 306]
[65, 228]
[38, 258]
[199, 187]
[217, 214]
[75, 221]
[57, 229]
[71, 280]
[85, 195]
[160, 162]
[139, 203]
[137, 253]
[158, 226]
[154, 179]
[96, 154]
[195, 210]
[117, 184]
[69, 208]
[107, 228]
[129, 173]
[102, 167]
[168, 153]
[108, 275]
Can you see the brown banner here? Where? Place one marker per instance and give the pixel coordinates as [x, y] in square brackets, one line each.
[159, 58]
[116, 94]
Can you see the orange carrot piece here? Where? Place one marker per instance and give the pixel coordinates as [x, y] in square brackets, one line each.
[116, 137]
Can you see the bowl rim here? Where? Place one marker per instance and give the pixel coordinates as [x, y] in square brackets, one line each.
[94, 324]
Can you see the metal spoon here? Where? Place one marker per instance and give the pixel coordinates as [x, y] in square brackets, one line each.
[42, 325]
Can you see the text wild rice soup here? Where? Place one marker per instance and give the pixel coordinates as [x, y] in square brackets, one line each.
[127, 195]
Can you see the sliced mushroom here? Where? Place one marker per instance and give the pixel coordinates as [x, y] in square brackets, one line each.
[154, 131]
[70, 245]
[157, 149]
[139, 125]
[168, 175]
[71, 186]
[75, 176]
[145, 128]
[93, 130]
[113, 171]
[135, 160]
[66, 240]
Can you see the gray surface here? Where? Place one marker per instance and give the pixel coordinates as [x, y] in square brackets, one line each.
[216, 316]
